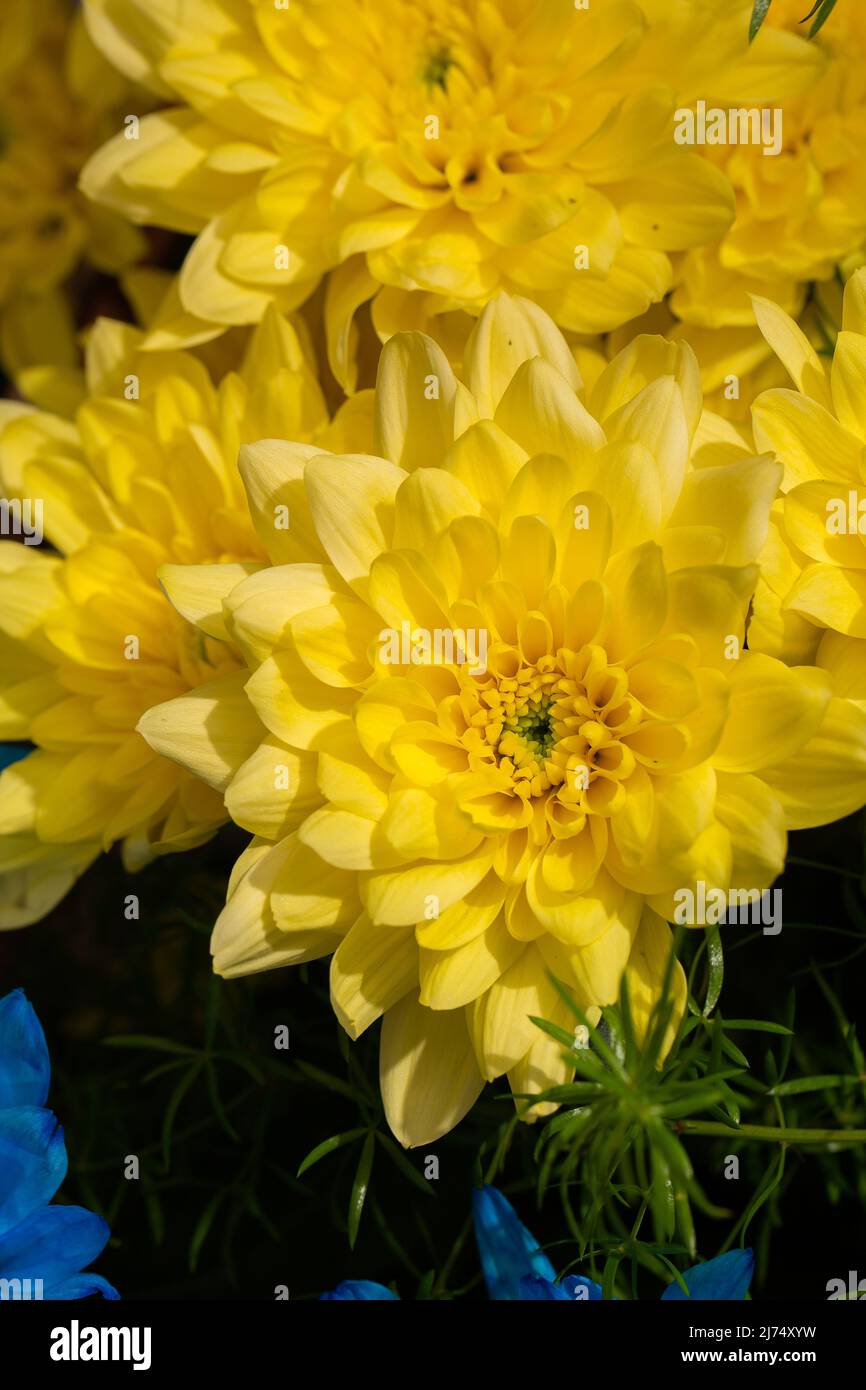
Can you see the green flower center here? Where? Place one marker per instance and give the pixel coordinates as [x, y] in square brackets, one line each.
[534, 729]
[436, 67]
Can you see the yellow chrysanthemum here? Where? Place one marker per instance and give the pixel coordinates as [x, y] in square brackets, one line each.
[812, 600]
[425, 153]
[59, 100]
[800, 213]
[456, 821]
[145, 475]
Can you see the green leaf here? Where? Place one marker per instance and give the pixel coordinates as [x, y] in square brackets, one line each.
[810, 1083]
[611, 1269]
[717, 969]
[662, 1196]
[759, 14]
[155, 1218]
[400, 1160]
[329, 1146]
[203, 1225]
[140, 1041]
[324, 1078]
[766, 1188]
[756, 1025]
[360, 1187]
[825, 9]
[216, 1102]
[177, 1096]
[732, 1051]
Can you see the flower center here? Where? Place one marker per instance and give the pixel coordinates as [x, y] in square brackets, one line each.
[554, 727]
[436, 66]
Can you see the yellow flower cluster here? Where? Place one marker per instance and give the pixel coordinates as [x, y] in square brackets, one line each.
[59, 100]
[497, 661]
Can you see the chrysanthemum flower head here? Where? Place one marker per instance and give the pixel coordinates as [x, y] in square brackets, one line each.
[503, 705]
[800, 185]
[144, 476]
[59, 99]
[812, 600]
[426, 155]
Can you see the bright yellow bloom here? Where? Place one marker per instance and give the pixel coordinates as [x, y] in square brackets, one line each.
[456, 821]
[145, 475]
[423, 153]
[59, 100]
[812, 600]
[800, 213]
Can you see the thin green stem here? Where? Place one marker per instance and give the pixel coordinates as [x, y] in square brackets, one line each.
[493, 1168]
[772, 1133]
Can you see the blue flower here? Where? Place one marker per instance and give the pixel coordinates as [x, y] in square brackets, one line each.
[726, 1277]
[508, 1251]
[359, 1291]
[38, 1242]
[515, 1267]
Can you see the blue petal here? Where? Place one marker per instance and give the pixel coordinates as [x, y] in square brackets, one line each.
[32, 1162]
[25, 1071]
[82, 1286]
[508, 1250]
[593, 1292]
[52, 1244]
[534, 1289]
[13, 753]
[726, 1277]
[359, 1291]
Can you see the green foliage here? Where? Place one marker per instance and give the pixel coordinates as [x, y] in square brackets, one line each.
[617, 1150]
[257, 1165]
[820, 12]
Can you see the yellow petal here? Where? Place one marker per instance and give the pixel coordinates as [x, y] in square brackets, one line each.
[826, 779]
[806, 438]
[274, 790]
[743, 493]
[541, 412]
[350, 286]
[509, 332]
[774, 711]
[212, 731]
[754, 818]
[408, 896]
[198, 591]
[415, 396]
[646, 972]
[293, 704]
[428, 1072]
[793, 349]
[258, 612]
[352, 505]
[848, 382]
[451, 979]
[246, 940]
[831, 597]
[372, 969]
[273, 475]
